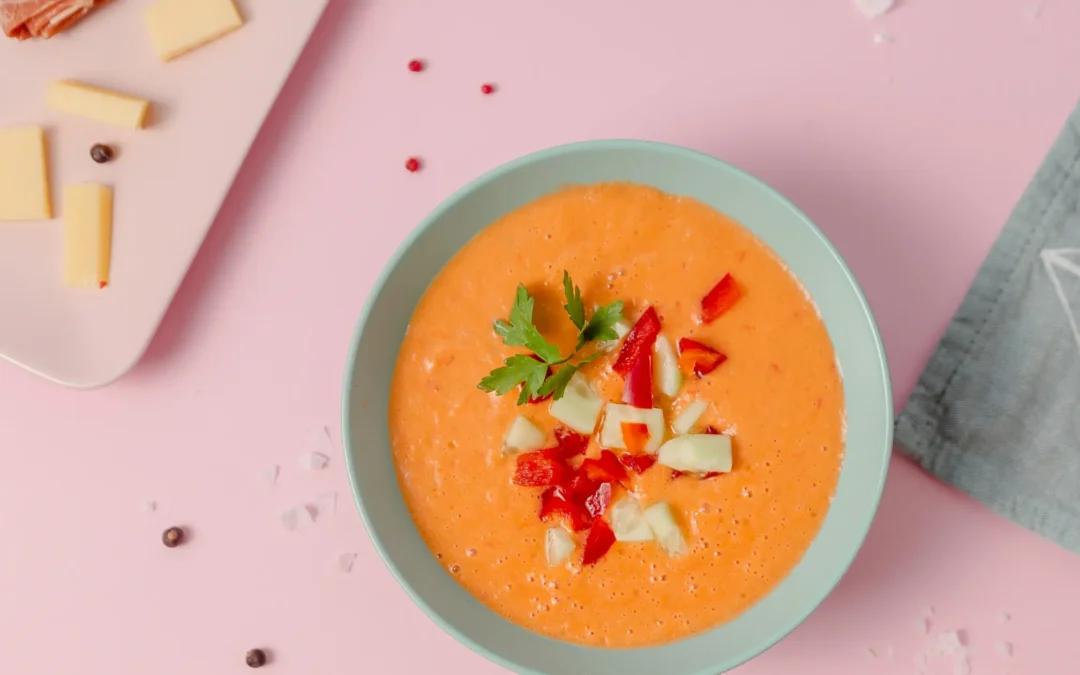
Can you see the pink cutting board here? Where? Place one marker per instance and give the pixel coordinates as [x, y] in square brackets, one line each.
[169, 179]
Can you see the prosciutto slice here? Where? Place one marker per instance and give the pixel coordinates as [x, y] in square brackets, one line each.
[25, 19]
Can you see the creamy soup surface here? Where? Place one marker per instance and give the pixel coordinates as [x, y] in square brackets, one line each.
[778, 396]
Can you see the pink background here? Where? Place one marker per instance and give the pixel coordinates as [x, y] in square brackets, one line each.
[909, 155]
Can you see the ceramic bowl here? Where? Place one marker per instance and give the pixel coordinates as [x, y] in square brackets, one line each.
[676, 170]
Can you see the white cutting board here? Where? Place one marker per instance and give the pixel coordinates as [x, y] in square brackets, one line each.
[169, 179]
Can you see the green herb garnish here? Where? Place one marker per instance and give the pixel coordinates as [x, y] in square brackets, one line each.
[530, 373]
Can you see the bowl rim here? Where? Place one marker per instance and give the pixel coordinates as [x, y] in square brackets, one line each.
[864, 521]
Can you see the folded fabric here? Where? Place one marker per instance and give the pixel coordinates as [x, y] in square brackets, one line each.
[997, 411]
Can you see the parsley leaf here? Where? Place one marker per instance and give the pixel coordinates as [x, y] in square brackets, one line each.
[529, 372]
[519, 369]
[556, 384]
[521, 332]
[574, 307]
[601, 325]
[589, 359]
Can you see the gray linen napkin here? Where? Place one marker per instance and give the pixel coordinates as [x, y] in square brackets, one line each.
[997, 411]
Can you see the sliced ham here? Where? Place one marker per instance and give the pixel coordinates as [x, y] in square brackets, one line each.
[25, 19]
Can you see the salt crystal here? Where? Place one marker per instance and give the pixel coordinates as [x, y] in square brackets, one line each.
[345, 562]
[326, 505]
[290, 519]
[1004, 617]
[148, 507]
[1004, 649]
[949, 643]
[1033, 12]
[314, 461]
[269, 474]
[318, 449]
[962, 666]
[922, 626]
[883, 37]
[872, 9]
[929, 611]
[297, 518]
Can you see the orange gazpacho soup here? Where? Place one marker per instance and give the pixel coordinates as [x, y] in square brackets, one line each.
[696, 440]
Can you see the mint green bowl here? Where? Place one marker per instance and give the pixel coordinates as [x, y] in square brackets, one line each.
[675, 170]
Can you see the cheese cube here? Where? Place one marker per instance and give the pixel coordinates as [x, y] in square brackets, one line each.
[178, 26]
[24, 175]
[100, 105]
[87, 234]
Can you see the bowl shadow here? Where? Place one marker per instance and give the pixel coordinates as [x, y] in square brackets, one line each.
[866, 213]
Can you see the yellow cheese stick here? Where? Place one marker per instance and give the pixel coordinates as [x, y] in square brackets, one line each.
[24, 175]
[98, 104]
[178, 26]
[87, 234]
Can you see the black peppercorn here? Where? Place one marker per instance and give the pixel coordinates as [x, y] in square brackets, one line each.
[102, 153]
[172, 537]
[255, 658]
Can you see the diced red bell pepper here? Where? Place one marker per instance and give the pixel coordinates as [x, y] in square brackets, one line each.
[598, 501]
[638, 387]
[540, 399]
[637, 463]
[635, 436]
[720, 299]
[570, 442]
[555, 502]
[639, 341]
[605, 468]
[697, 358]
[541, 468]
[598, 542]
[581, 486]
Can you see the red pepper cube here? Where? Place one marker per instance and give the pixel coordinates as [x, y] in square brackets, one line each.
[597, 543]
[581, 486]
[596, 503]
[541, 468]
[639, 341]
[637, 463]
[720, 299]
[697, 358]
[570, 442]
[638, 387]
[605, 468]
[556, 502]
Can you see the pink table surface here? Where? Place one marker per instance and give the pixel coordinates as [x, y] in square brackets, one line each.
[909, 155]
